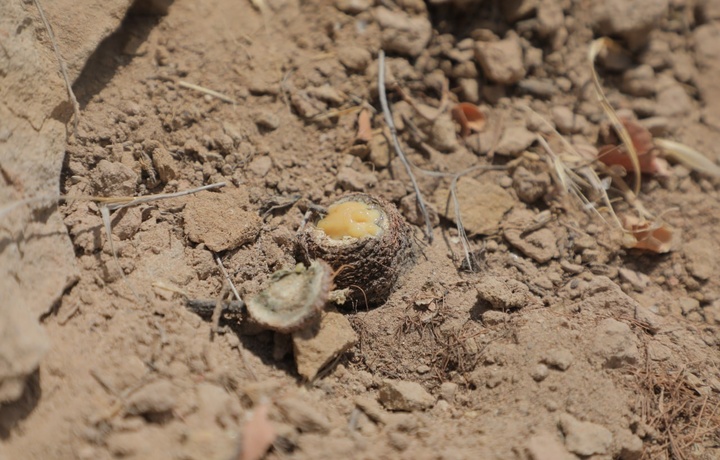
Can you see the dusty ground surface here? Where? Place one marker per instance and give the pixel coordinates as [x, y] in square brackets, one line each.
[560, 343]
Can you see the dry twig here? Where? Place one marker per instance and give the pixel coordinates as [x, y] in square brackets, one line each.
[398, 149]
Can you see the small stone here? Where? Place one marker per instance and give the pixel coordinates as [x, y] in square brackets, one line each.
[128, 224]
[353, 6]
[648, 319]
[354, 58]
[515, 140]
[326, 93]
[165, 165]
[406, 396]
[494, 317]
[318, 345]
[546, 446]
[639, 81]
[218, 221]
[688, 305]
[518, 9]
[442, 134]
[540, 245]
[470, 88]
[564, 119]
[639, 281]
[530, 186]
[355, 181]
[154, 398]
[266, 120]
[559, 358]
[501, 61]
[422, 369]
[538, 87]
[585, 438]
[701, 263]
[402, 33]
[631, 446]
[673, 101]
[483, 205]
[260, 166]
[114, 179]
[631, 20]
[540, 372]
[615, 344]
[448, 390]
[657, 351]
[504, 293]
[303, 415]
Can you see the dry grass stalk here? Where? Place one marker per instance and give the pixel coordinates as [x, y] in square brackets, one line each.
[597, 47]
[63, 67]
[210, 92]
[688, 157]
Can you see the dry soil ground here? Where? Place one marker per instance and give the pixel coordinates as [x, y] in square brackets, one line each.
[559, 343]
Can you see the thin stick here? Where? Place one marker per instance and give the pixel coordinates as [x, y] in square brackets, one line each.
[208, 91]
[228, 279]
[119, 203]
[63, 67]
[398, 148]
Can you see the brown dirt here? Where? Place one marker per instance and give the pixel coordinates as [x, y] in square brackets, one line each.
[560, 344]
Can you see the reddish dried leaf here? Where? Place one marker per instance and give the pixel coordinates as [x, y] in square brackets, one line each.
[469, 117]
[641, 138]
[648, 236]
[650, 163]
[364, 132]
[258, 434]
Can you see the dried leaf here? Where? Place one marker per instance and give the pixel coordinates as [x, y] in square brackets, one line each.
[648, 236]
[469, 117]
[649, 162]
[642, 141]
[364, 132]
[258, 434]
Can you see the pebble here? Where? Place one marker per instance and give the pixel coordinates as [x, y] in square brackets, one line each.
[448, 390]
[615, 344]
[648, 319]
[354, 58]
[540, 372]
[165, 165]
[565, 120]
[585, 438]
[355, 181]
[353, 6]
[114, 179]
[303, 415]
[632, 20]
[540, 245]
[402, 395]
[443, 135]
[470, 88]
[639, 81]
[631, 446]
[546, 446]
[494, 317]
[318, 345]
[154, 398]
[217, 220]
[402, 33]
[266, 120]
[483, 205]
[558, 358]
[518, 9]
[639, 281]
[688, 305]
[700, 262]
[501, 61]
[537, 87]
[260, 166]
[503, 293]
[128, 224]
[530, 186]
[515, 140]
[673, 101]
